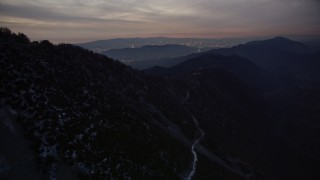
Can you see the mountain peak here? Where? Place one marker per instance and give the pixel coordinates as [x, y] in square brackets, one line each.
[279, 43]
[276, 40]
[280, 38]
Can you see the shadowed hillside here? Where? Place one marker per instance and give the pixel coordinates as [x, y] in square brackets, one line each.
[81, 115]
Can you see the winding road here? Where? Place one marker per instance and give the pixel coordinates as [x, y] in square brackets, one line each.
[193, 147]
[214, 158]
[196, 148]
[195, 143]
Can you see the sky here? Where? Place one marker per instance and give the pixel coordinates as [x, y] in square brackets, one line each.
[87, 20]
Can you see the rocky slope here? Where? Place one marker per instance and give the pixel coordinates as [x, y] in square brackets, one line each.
[76, 114]
[91, 114]
[83, 115]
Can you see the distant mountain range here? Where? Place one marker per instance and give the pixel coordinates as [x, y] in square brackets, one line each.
[143, 53]
[279, 56]
[121, 43]
[148, 56]
[246, 112]
[150, 52]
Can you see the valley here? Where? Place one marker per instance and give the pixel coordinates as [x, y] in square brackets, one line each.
[249, 111]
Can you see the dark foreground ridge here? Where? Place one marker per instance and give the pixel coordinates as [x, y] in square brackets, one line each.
[75, 114]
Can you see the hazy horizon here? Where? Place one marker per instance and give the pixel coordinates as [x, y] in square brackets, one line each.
[77, 21]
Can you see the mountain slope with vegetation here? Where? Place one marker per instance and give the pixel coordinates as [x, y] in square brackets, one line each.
[87, 116]
[81, 115]
[282, 76]
[85, 111]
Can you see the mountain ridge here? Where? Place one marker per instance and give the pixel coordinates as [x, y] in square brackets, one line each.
[283, 80]
[91, 117]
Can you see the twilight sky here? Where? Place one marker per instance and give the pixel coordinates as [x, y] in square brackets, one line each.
[86, 20]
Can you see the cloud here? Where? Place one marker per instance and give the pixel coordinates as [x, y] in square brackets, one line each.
[103, 19]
